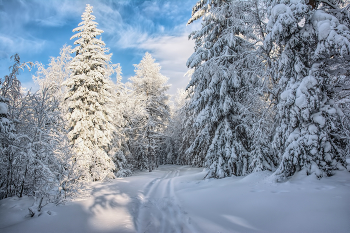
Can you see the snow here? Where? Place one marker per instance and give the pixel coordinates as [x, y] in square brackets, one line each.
[278, 9]
[318, 118]
[285, 94]
[301, 101]
[3, 108]
[177, 199]
[321, 16]
[324, 28]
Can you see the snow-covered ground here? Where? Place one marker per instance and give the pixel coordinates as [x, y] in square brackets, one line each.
[177, 199]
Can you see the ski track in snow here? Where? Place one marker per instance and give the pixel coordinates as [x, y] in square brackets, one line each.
[159, 209]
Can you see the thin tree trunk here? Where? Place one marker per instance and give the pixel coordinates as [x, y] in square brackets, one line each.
[9, 176]
[22, 186]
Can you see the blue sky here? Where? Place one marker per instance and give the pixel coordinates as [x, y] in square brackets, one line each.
[37, 29]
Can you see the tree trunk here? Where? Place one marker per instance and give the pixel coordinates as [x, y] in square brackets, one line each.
[312, 3]
[22, 186]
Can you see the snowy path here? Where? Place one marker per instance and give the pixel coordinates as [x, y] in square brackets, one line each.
[176, 199]
[160, 210]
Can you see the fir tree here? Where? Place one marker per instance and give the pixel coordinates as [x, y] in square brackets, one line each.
[89, 97]
[223, 86]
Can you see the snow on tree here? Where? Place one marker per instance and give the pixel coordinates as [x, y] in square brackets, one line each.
[7, 152]
[134, 114]
[48, 113]
[14, 157]
[35, 136]
[11, 86]
[168, 152]
[53, 77]
[119, 148]
[311, 45]
[89, 97]
[173, 139]
[149, 86]
[223, 85]
[42, 121]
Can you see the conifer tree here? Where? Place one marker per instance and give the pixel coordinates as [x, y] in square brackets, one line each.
[88, 97]
[313, 51]
[223, 86]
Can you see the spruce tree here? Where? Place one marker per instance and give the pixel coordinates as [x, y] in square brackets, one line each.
[312, 48]
[88, 97]
[223, 86]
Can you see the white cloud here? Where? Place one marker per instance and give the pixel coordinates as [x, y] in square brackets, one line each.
[132, 38]
[149, 7]
[15, 44]
[51, 22]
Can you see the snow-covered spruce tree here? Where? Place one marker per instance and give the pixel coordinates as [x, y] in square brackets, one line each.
[88, 97]
[311, 44]
[340, 86]
[222, 91]
[188, 134]
[149, 85]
